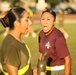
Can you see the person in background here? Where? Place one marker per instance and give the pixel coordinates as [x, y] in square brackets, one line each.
[15, 54]
[4, 8]
[52, 40]
[61, 23]
[30, 27]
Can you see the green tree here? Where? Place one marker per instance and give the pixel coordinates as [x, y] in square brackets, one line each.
[53, 2]
[13, 1]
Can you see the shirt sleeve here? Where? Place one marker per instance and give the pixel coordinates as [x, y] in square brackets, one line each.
[61, 48]
[12, 56]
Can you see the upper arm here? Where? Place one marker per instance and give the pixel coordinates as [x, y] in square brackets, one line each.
[12, 56]
[68, 59]
[12, 70]
[67, 64]
[61, 48]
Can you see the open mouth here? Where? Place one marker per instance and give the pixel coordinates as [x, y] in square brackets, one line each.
[27, 28]
[45, 27]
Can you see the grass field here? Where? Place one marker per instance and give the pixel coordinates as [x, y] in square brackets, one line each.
[33, 43]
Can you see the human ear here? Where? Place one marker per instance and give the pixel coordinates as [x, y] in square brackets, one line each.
[54, 21]
[16, 23]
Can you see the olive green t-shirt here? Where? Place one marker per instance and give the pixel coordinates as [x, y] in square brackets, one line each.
[14, 53]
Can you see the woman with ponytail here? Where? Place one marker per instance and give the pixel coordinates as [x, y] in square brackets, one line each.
[15, 54]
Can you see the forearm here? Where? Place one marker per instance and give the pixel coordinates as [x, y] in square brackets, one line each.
[35, 71]
[40, 56]
[67, 69]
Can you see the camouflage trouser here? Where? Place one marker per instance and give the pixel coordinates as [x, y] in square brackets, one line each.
[59, 72]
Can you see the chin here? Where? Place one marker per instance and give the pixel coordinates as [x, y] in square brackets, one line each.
[25, 33]
[45, 31]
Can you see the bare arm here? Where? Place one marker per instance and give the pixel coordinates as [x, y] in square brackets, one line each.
[35, 70]
[67, 69]
[12, 70]
[40, 56]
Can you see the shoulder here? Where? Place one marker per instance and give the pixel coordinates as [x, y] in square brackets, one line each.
[9, 41]
[58, 33]
[41, 33]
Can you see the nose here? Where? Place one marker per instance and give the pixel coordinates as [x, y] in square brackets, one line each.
[30, 22]
[45, 21]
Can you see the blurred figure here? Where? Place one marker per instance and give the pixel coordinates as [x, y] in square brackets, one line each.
[4, 7]
[61, 23]
[46, 8]
[30, 27]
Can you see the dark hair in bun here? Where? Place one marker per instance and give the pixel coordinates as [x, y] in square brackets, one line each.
[13, 14]
[5, 21]
[51, 12]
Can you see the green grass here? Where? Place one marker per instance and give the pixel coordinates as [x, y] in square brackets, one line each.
[33, 43]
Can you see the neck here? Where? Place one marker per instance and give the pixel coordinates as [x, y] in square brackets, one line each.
[16, 35]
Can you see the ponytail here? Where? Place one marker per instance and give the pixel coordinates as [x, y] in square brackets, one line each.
[5, 21]
[16, 13]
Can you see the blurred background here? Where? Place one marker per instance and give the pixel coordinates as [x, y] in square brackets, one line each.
[69, 6]
[37, 6]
